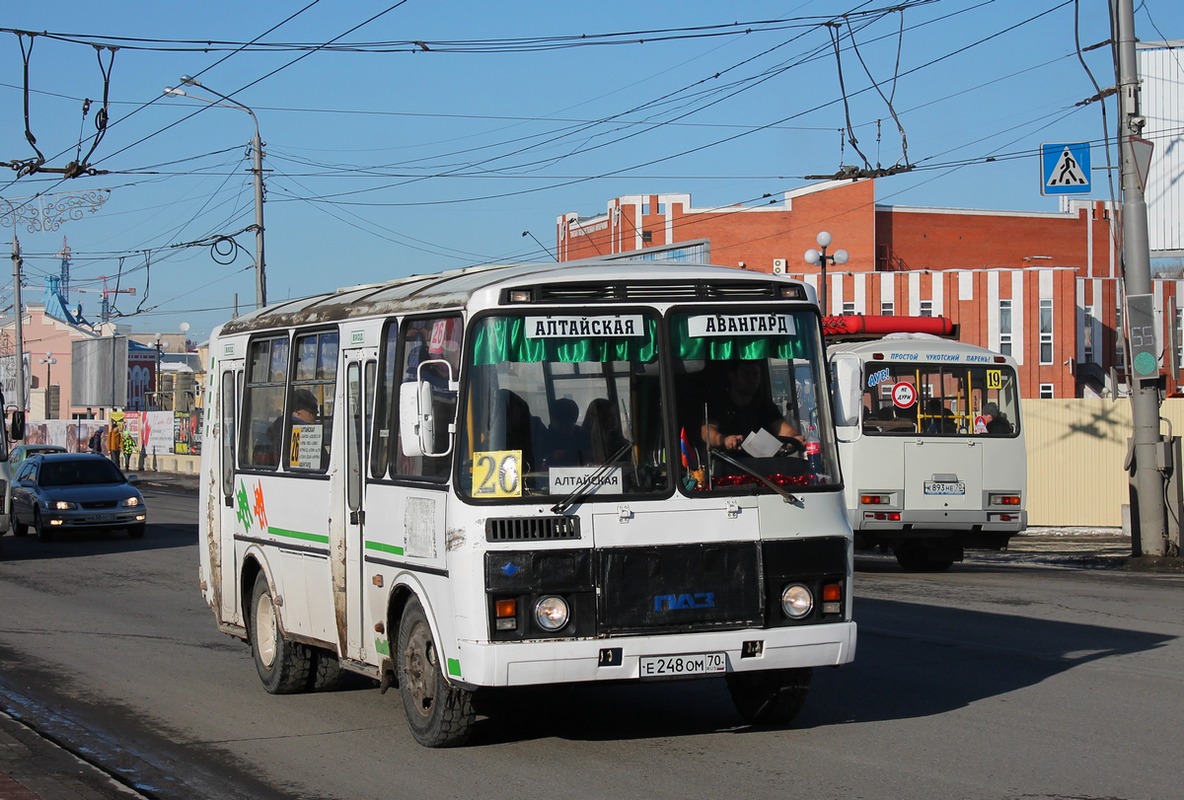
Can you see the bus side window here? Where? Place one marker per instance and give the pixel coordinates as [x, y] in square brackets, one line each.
[428, 339]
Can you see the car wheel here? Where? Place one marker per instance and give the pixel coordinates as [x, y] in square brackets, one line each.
[44, 532]
[19, 528]
[136, 531]
[283, 666]
[769, 697]
[438, 713]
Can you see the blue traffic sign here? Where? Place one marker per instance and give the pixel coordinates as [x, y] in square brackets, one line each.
[1064, 168]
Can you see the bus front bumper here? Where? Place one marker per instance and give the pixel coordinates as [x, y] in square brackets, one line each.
[636, 657]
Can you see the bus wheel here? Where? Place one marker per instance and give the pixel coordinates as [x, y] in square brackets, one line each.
[917, 558]
[438, 713]
[327, 674]
[283, 666]
[769, 697]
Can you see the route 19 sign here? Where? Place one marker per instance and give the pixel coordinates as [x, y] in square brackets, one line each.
[903, 395]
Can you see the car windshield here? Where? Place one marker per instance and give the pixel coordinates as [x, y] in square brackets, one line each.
[79, 473]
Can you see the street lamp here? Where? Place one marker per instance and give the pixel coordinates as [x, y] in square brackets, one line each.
[49, 361]
[820, 259]
[159, 378]
[257, 169]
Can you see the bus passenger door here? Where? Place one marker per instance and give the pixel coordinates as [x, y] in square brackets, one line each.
[223, 553]
[360, 371]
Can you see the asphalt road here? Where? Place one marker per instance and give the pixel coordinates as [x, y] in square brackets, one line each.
[1049, 671]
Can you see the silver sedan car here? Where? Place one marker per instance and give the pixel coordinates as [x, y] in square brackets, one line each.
[68, 491]
[16, 457]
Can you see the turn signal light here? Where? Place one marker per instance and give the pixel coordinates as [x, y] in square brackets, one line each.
[832, 598]
[1005, 499]
[506, 612]
[874, 499]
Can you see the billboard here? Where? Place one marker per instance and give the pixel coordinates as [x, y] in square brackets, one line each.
[98, 372]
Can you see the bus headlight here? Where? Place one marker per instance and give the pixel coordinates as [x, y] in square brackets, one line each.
[551, 612]
[796, 601]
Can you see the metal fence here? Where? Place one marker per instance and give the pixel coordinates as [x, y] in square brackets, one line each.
[1076, 452]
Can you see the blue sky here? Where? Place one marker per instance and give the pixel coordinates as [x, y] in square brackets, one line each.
[385, 157]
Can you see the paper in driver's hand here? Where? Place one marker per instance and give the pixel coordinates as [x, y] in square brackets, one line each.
[761, 444]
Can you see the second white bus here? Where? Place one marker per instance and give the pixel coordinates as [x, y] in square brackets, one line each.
[932, 446]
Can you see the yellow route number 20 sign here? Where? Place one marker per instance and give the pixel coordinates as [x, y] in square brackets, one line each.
[497, 473]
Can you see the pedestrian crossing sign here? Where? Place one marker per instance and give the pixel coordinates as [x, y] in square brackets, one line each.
[1064, 168]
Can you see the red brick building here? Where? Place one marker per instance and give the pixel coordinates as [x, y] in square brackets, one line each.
[1041, 286]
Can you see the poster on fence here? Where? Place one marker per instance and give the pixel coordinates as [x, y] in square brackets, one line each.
[187, 432]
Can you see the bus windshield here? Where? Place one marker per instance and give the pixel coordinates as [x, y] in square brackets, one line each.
[563, 403]
[748, 405]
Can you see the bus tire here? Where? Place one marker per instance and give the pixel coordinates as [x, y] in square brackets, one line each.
[438, 713]
[327, 674]
[769, 697]
[284, 667]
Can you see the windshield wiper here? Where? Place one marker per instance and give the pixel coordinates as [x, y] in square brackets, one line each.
[587, 481]
[788, 496]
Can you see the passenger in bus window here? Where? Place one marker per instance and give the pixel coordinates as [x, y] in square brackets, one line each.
[742, 408]
[602, 427]
[567, 442]
[938, 417]
[997, 423]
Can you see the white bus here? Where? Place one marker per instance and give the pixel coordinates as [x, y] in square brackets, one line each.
[392, 485]
[931, 443]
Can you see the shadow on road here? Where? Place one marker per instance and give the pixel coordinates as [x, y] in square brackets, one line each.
[913, 661]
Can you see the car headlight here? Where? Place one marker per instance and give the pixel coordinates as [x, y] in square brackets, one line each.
[551, 612]
[131, 502]
[796, 601]
[63, 505]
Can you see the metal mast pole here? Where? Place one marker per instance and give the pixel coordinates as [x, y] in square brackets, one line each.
[260, 277]
[1136, 261]
[18, 368]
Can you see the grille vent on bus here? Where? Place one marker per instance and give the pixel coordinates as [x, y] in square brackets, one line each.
[642, 290]
[523, 529]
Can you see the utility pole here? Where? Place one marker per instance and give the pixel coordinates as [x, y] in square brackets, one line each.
[1149, 446]
[18, 364]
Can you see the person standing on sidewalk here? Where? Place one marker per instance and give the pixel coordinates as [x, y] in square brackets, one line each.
[129, 448]
[115, 442]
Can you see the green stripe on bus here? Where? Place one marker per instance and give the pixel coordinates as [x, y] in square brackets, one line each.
[382, 646]
[308, 537]
[454, 667]
[393, 549]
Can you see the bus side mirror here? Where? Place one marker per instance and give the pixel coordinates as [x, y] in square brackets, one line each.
[417, 411]
[415, 417]
[17, 430]
[846, 384]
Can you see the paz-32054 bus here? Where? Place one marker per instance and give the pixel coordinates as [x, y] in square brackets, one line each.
[931, 441]
[497, 477]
